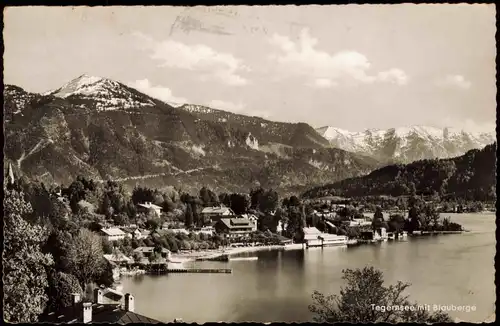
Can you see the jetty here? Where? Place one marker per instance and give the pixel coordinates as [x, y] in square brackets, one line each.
[160, 271]
[243, 258]
[424, 233]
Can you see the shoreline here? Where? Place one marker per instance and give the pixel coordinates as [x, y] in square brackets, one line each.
[214, 254]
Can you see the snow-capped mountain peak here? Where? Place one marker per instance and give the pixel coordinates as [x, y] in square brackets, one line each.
[84, 85]
[406, 144]
[106, 93]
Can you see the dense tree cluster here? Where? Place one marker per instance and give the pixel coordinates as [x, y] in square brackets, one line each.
[365, 290]
[468, 177]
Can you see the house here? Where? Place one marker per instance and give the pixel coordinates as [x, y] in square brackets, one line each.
[311, 235]
[144, 234]
[210, 230]
[315, 238]
[148, 251]
[135, 233]
[118, 259]
[149, 207]
[107, 307]
[252, 218]
[215, 213]
[359, 222]
[234, 227]
[113, 234]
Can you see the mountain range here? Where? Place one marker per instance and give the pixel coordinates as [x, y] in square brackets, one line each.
[471, 176]
[407, 144]
[106, 130]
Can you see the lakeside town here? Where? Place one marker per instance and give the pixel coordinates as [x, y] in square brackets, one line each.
[153, 231]
[284, 163]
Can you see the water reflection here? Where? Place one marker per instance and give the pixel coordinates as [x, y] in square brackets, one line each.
[451, 269]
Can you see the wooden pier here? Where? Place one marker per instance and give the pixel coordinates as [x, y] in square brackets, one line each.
[189, 270]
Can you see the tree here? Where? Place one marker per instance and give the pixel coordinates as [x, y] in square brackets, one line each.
[85, 257]
[154, 257]
[141, 195]
[24, 264]
[120, 219]
[107, 246]
[137, 256]
[188, 216]
[358, 302]
[268, 201]
[378, 218]
[152, 224]
[295, 224]
[106, 207]
[61, 286]
[225, 199]
[239, 203]
[105, 277]
[255, 197]
[396, 223]
[294, 201]
[208, 197]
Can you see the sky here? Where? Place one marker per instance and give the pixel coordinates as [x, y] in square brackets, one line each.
[349, 66]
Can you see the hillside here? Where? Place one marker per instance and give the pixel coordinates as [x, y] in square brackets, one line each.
[105, 130]
[471, 176]
[407, 144]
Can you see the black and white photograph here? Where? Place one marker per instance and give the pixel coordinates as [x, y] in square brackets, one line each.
[272, 163]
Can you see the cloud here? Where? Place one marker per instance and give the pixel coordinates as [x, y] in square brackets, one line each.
[394, 75]
[323, 83]
[159, 92]
[458, 81]
[303, 58]
[211, 65]
[470, 125]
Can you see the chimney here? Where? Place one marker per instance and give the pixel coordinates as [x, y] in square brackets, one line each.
[129, 302]
[87, 312]
[76, 298]
[98, 296]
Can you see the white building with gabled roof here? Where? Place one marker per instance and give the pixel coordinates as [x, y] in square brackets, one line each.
[149, 206]
[113, 234]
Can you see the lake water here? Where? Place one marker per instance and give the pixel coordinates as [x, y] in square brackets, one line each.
[445, 269]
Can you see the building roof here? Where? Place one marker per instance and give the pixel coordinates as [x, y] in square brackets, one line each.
[150, 205]
[249, 216]
[311, 231]
[128, 229]
[117, 258]
[112, 231]
[330, 224]
[216, 210]
[101, 313]
[233, 223]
